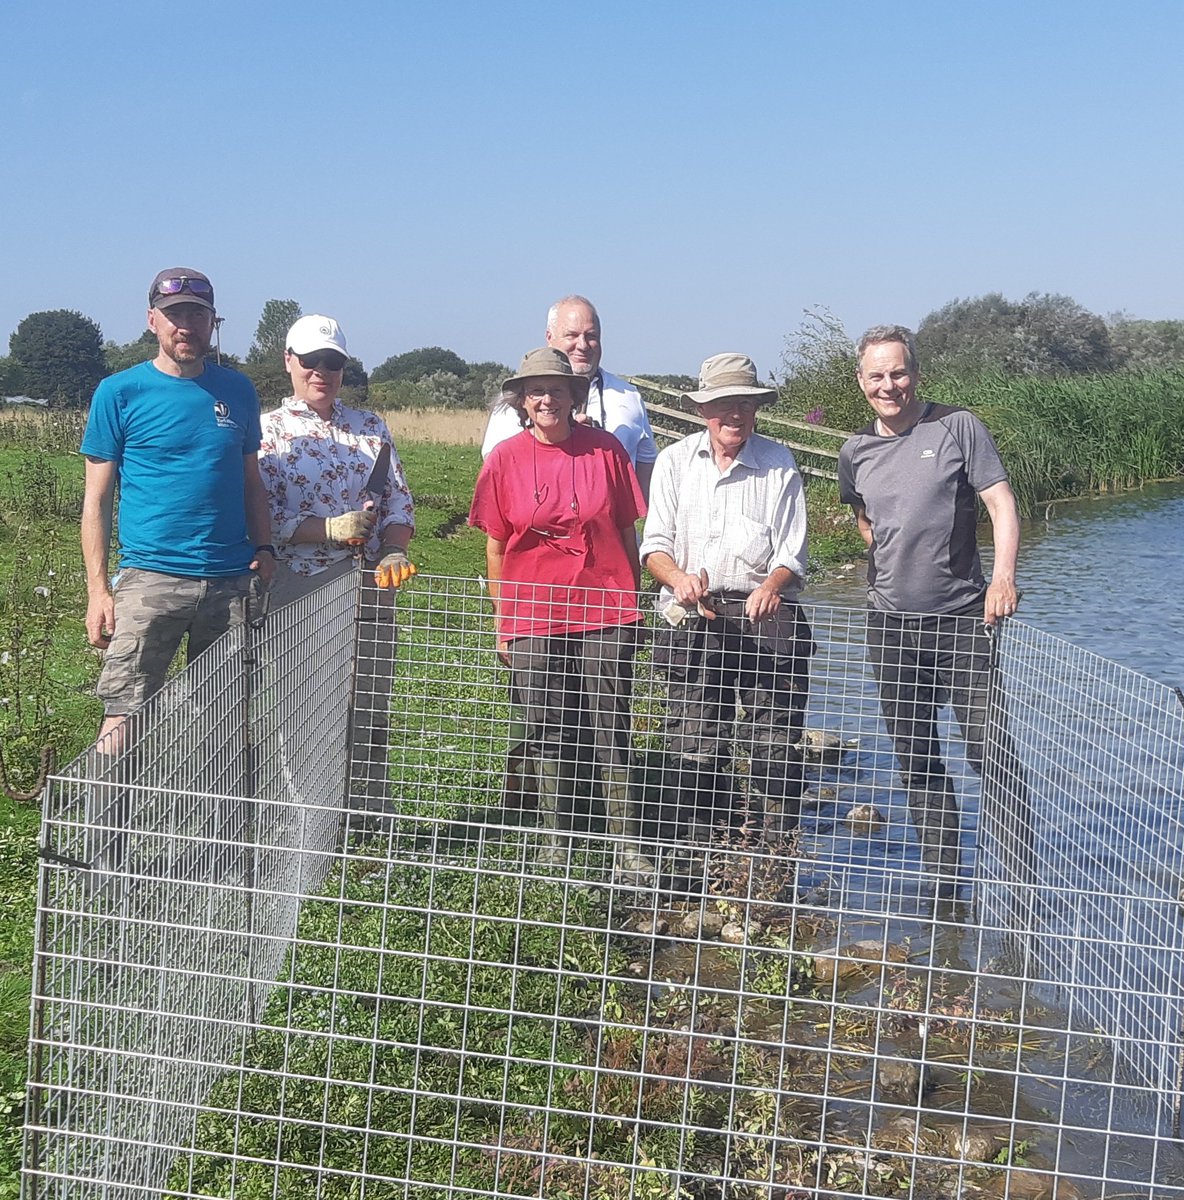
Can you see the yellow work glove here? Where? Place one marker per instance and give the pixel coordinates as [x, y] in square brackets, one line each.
[351, 527]
[394, 569]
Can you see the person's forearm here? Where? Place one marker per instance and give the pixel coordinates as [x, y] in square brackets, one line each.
[495, 555]
[397, 537]
[95, 528]
[96, 541]
[663, 568]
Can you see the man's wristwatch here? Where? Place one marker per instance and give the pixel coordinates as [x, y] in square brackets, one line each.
[270, 550]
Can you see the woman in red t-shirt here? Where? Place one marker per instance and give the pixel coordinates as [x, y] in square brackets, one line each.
[558, 503]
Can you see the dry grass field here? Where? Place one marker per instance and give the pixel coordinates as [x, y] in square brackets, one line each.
[448, 426]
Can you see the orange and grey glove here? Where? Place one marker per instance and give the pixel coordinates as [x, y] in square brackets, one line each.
[350, 527]
[394, 570]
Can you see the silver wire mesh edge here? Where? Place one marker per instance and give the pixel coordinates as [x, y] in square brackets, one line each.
[275, 980]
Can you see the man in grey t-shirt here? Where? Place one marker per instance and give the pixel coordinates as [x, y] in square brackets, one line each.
[913, 477]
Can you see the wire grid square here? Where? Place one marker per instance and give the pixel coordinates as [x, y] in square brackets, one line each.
[400, 995]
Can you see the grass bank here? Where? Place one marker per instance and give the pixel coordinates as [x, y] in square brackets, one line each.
[1060, 437]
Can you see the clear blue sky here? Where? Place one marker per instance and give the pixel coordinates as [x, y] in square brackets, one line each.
[437, 173]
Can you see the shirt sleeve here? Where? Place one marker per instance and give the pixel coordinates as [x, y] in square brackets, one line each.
[848, 494]
[789, 527]
[663, 511]
[485, 513]
[103, 438]
[984, 466]
[398, 507]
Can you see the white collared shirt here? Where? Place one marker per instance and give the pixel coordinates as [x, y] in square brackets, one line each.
[739, 525]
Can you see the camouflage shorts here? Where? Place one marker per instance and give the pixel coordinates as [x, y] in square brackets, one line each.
[153, 613]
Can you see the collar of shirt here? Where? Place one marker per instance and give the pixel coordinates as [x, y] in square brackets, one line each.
[746, 457]
[305, 409]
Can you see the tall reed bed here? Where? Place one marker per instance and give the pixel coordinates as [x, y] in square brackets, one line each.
[1078, 434]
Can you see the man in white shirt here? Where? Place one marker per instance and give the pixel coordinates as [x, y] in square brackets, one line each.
[726, 539]
[573, 326]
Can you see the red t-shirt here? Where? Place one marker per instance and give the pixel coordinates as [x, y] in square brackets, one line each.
[559, 509]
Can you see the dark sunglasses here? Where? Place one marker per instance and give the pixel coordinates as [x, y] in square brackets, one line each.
[182, 283]
[322, 360]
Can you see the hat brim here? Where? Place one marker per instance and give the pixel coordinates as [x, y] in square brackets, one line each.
[764, 395]
[167, 302]
[579, 383]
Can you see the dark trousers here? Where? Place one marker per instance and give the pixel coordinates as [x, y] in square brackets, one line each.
[717, 668]
[553, 675]
[921, 663]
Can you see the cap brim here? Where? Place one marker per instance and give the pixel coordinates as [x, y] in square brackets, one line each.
[164, 302]
[325, 345]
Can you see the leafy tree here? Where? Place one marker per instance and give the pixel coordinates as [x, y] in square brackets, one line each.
[12, 382]
[677, 383]
[1039, 335]
[120, 357]
[60, 355]
[271, 332]
[417, 364]
[1146, 345]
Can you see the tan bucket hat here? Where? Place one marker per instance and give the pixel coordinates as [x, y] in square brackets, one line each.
[729, 375]
[546, 360]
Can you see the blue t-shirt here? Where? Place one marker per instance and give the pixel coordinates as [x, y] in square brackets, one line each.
[179, 445]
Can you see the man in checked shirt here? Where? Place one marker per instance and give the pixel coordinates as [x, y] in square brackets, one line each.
[726, 539]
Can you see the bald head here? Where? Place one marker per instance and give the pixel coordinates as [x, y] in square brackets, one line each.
[573, 326]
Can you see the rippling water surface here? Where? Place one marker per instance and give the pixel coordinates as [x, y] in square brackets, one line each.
[1106, 574]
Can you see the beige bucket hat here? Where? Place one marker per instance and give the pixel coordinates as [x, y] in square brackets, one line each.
[546, 360]
[729, 375]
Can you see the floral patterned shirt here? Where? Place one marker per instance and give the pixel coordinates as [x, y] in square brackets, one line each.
[317, 467]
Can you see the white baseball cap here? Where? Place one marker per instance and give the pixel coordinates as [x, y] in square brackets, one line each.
[314, 332]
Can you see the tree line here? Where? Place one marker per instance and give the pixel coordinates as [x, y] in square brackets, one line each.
[60, 355]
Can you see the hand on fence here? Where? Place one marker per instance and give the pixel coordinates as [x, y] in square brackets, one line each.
[394, 570]
[350, 526]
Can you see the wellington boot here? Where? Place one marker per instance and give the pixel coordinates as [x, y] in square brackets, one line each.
[630, 865]
[554, 853]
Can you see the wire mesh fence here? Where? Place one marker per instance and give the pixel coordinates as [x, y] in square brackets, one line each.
[588, 928]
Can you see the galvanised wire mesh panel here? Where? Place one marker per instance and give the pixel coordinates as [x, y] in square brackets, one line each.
[170, 889]
[528, 972]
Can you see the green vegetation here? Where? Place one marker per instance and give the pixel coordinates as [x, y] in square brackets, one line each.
[59, 355]
[1061, 435]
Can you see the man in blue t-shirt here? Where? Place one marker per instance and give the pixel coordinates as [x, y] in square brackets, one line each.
[181, 436]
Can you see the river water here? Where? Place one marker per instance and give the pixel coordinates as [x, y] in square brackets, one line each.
[1106, 574]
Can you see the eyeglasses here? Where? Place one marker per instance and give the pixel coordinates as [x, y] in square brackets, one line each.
[177, 284]
[559, 391]
[322, 360]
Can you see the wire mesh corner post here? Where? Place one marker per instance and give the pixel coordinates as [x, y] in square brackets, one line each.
[429, 1007]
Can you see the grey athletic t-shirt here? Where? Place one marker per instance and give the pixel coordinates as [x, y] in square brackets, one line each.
[919, 491]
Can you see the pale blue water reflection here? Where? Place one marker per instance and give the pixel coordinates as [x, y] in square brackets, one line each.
[1106, 574]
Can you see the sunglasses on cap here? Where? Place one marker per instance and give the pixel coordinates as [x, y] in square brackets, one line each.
[177, 284]
[322, 360]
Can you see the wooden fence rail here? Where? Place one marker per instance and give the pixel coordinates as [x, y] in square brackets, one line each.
[691, 419]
